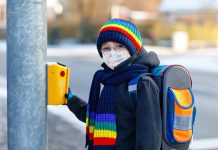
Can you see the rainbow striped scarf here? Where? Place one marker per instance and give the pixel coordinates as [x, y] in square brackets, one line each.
[101, 130]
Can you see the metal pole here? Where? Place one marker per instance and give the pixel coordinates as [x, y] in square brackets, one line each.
[26, 74]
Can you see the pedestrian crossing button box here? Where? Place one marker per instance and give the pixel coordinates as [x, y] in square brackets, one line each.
[58, 76]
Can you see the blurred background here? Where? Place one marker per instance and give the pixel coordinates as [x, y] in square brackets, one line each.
[79, 20]
[180, 32]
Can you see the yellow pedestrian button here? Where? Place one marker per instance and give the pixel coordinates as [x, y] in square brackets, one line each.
[57, 83]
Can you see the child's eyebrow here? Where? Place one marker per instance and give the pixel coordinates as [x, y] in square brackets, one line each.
[106, 46]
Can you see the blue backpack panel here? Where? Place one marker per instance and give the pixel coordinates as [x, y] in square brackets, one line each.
[177, 104]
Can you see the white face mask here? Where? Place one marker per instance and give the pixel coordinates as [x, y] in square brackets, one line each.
[114, 58]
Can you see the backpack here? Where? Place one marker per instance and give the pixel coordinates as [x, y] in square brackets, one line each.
[177, 104]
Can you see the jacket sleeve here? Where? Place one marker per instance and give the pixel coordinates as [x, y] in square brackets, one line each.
[148, 116]
[78, 107]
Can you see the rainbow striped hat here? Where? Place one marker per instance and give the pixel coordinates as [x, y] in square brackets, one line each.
[120, 31]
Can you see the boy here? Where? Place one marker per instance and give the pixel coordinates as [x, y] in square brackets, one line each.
[114, 121]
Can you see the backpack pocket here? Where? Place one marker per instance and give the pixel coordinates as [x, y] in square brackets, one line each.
[180, 115]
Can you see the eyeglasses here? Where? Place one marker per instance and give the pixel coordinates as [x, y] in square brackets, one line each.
[116, 48]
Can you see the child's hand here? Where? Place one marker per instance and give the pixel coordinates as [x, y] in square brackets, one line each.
[69, 95]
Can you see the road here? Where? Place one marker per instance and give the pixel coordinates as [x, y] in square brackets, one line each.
[63, 135]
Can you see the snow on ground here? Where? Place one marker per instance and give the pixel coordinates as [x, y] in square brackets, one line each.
[73, 50]
[204, 144]
[66, 114]
[2, 45]
[3, 90]
[202, 59]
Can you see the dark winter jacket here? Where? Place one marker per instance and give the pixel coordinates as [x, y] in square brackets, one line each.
[138, 127]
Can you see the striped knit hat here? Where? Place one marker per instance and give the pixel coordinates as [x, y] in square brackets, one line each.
[120, 31]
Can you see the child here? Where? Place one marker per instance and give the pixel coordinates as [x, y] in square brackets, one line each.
[113, 122]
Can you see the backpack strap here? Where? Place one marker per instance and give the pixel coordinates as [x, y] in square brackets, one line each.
[132, 88]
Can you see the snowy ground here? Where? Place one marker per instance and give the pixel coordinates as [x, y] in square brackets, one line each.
[200, 59]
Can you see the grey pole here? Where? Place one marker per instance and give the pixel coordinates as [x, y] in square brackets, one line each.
[26, 74]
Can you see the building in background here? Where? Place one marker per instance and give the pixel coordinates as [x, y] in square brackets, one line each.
[157, 20]
[144, 10]
[199, 18]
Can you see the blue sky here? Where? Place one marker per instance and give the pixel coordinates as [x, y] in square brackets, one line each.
[187, 5]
